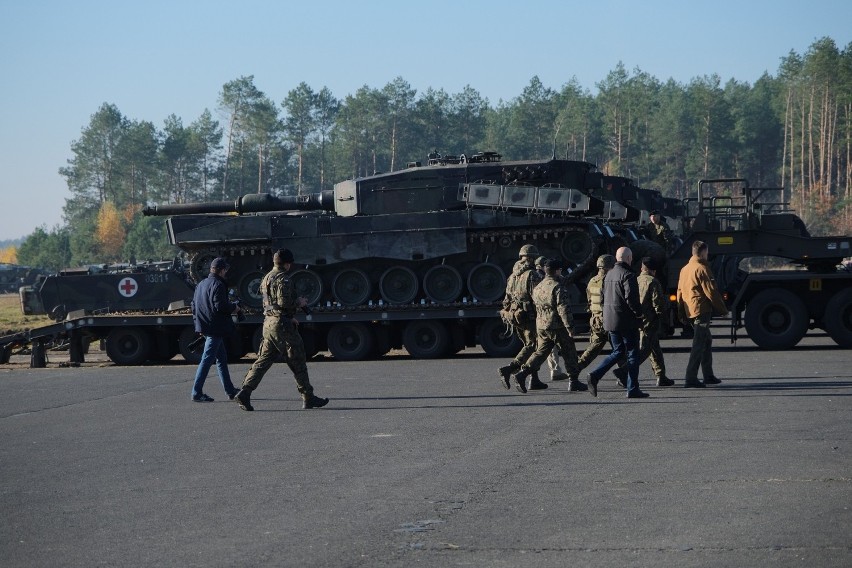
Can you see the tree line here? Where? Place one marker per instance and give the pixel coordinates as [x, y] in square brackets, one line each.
[791, 129]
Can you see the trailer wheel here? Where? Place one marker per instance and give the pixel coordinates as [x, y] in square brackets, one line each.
[494, 340]
[351, 341]
[187, 336]
[426, 339]
[838, 318]
[776, 319]
[128, 346]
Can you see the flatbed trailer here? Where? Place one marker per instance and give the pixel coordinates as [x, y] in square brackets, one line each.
[424, 330]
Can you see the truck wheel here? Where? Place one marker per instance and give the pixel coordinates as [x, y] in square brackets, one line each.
[128, 346]
[776, 319]
[350, 341]
[427, 339]
[187, 336]
[494, 340]
[838, 318]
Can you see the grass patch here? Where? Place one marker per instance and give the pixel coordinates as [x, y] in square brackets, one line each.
[13, 320]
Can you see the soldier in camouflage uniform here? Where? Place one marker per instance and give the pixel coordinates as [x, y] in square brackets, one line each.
[657, 231]
[280, 335]
[554, 325]
[598, 337]
[519, 312]
[652, 299]
[557, 371]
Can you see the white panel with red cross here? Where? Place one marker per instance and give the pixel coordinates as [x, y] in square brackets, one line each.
[128, 287]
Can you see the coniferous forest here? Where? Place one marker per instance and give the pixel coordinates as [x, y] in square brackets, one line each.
[790, 129]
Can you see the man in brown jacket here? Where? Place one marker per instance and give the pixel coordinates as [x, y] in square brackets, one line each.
[698, 300]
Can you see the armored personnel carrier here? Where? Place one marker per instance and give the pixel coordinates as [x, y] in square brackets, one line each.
[440, 233]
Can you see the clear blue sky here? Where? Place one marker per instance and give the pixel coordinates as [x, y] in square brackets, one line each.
[60, 60]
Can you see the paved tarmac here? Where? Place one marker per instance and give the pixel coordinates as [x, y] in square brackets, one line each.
[431, 463]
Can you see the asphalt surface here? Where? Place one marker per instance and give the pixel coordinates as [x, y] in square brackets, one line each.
[430, 463]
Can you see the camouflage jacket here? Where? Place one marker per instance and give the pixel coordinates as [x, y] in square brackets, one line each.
[279, 295]
[552, 305]
[659, 234]
[651, 297]
[519, 288]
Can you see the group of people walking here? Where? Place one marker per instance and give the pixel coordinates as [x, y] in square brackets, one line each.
[626, 311]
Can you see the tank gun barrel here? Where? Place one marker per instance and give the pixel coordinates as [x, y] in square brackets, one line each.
[251, 203]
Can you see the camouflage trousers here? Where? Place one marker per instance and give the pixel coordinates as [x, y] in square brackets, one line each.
[598, 339]
[281, 340]
[527, 335]
[547, 340]
[649, 346]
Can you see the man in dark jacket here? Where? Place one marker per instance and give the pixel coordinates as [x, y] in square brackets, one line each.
[622, 315]
[211, 311]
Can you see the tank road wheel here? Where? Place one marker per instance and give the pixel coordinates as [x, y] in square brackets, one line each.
[249, 289]
[308, 284]
[350, 341]
[128, 346]
[199, 265]
[426, 339]
[578, 247]
[351, 287]
[398, 285]
[838, 318]
[442, 284]
[495, 341]
[776, 319]
[187, 336]
[486, 282]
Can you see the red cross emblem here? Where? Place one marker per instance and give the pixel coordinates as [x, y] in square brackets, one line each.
[128, 287]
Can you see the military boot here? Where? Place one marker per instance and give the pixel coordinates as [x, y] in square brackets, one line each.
[664, 381]
[519, 379]
[243, 398]
[314, 401]
[576, 385]
[559, 377]
[534, 383]
[506, 374]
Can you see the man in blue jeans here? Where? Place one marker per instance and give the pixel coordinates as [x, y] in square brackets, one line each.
[622, 314]
[211, 311]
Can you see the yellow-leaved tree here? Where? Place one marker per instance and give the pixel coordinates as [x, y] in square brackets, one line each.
[110, 232]
[9, 255]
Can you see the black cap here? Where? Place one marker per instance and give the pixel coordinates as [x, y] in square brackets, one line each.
[554, 264]
[649, 263]
[655, 212]
[219, 263]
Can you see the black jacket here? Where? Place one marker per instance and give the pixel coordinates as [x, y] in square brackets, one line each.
[211, 308]
[621, 308]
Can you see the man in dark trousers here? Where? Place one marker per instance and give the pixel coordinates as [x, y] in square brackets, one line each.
[622, 315]
[280, 335]
[211, 311]
[698, 299]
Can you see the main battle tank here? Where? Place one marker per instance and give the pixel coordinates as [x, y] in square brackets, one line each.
[441, 232]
